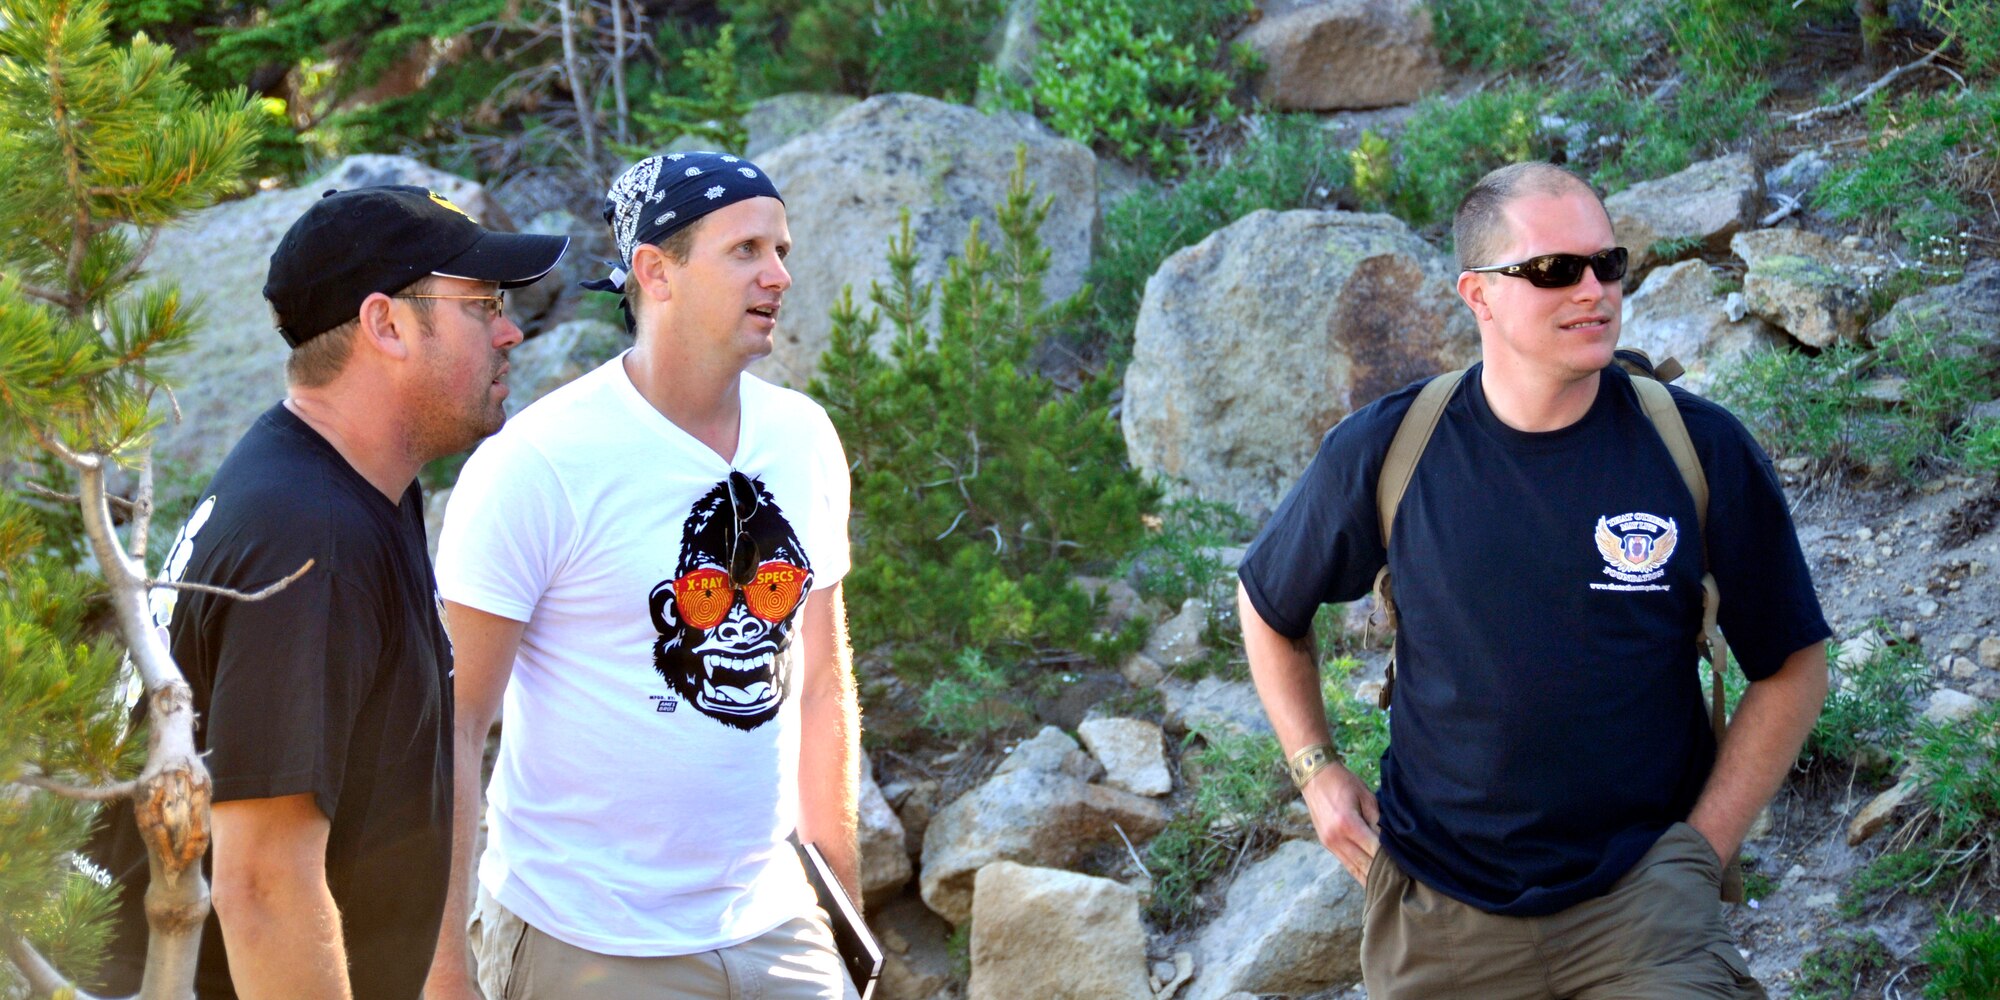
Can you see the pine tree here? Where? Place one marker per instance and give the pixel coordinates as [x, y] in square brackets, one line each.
[100, 146]
[980, 488]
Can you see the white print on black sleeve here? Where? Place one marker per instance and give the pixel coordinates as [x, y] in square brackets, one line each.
[1635, 548]
[162, 600]
[722, 642]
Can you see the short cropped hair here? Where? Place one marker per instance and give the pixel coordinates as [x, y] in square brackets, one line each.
[1479, 228]
[678, 246]
[321, 359]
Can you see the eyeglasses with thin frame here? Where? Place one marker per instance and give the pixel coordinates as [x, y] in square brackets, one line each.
[496, 303]
[1561, 270]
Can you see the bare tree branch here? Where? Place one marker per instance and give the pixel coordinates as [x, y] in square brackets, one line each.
[1806, 117]
[45, 493]
[46, 295]
[259, 595]
[618, 70]
[87, 793]
[1778, 214]
[141, 508]
[132, 266]
[43, 979]
[573, 66]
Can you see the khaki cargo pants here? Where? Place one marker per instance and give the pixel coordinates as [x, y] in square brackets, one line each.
[1656, 935]
[796, 961]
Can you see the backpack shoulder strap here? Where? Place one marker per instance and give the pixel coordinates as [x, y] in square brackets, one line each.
[1412, 436]
[1665, 417]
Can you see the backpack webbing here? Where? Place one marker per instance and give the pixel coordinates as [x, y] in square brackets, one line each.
[1413, 435]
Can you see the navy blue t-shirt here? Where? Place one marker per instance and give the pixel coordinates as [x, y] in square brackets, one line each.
[1549, 719]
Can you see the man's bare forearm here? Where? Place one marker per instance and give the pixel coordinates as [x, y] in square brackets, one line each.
[284, 943]
[1285, 671]
[1763, 740]
[452, 964]
[830, 743]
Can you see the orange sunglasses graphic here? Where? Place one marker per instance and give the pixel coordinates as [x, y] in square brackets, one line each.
[705, 595]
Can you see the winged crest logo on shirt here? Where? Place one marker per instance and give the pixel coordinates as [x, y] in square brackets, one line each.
[1636, 546]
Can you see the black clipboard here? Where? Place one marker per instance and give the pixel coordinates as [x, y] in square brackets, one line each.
[851, 937]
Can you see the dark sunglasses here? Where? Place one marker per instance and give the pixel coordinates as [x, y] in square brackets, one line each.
[743, 553]
[1561, 270]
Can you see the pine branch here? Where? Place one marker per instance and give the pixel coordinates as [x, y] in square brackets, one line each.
[86, 793]
[48, 494]
[43, 979]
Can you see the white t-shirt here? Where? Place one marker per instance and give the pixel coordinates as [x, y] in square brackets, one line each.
[648, 769]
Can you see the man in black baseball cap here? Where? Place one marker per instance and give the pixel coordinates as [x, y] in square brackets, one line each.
[326, 711]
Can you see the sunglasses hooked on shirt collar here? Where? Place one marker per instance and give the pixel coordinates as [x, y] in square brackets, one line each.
[1561, 270]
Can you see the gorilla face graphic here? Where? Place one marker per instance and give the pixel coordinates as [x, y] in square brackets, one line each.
[727, 616]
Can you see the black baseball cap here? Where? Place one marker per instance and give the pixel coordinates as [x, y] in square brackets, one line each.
[351, 244]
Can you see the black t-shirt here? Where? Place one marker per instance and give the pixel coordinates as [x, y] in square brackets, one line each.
[1548, 721]
[338, 686]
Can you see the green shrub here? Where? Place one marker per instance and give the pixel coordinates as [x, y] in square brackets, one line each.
[1836, 969]
[1490, 34]
[980, 490]
[1179, 559]
[1286, 162]
[1123, 80]
[1869, 707]
[1927, 155]
[1360, 729]
[1956, 766]
[1964, 957]
[1978, 445]
[1238, 782]
[1450, 144]
[973, 700]
[1642, 138]
[714, 116]
[1733, 40]
[1822, 408]
[931, 47]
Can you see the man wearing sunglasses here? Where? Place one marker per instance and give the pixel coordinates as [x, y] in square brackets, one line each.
[325, 709]
[644, 569]
[1554, 814]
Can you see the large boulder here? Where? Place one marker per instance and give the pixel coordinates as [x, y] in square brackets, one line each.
[1055, 935]
[1255, 341]
[234, 368]
[1677, 314]
[1812, 287]
[885, 863]
[1290, 924]
[1339, 55]
[1706, 203]
[1967, 311]
[847, 183]
[552, 360]
[780, 118]
[1036, 812]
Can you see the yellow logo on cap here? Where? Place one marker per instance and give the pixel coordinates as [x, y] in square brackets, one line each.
[440, 199]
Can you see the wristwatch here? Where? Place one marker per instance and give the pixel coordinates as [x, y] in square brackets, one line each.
[1310, 761]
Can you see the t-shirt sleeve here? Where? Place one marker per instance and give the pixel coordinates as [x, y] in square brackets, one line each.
[288, 686]
[1769, 609]
[507, 526]
[1323, 544]
[829, 543]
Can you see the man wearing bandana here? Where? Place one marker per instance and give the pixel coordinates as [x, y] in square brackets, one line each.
[644, 569]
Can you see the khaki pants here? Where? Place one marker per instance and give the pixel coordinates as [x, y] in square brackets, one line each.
[796, 961]
[1656, 935]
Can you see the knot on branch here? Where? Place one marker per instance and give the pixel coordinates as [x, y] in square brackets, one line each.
[172, 811]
